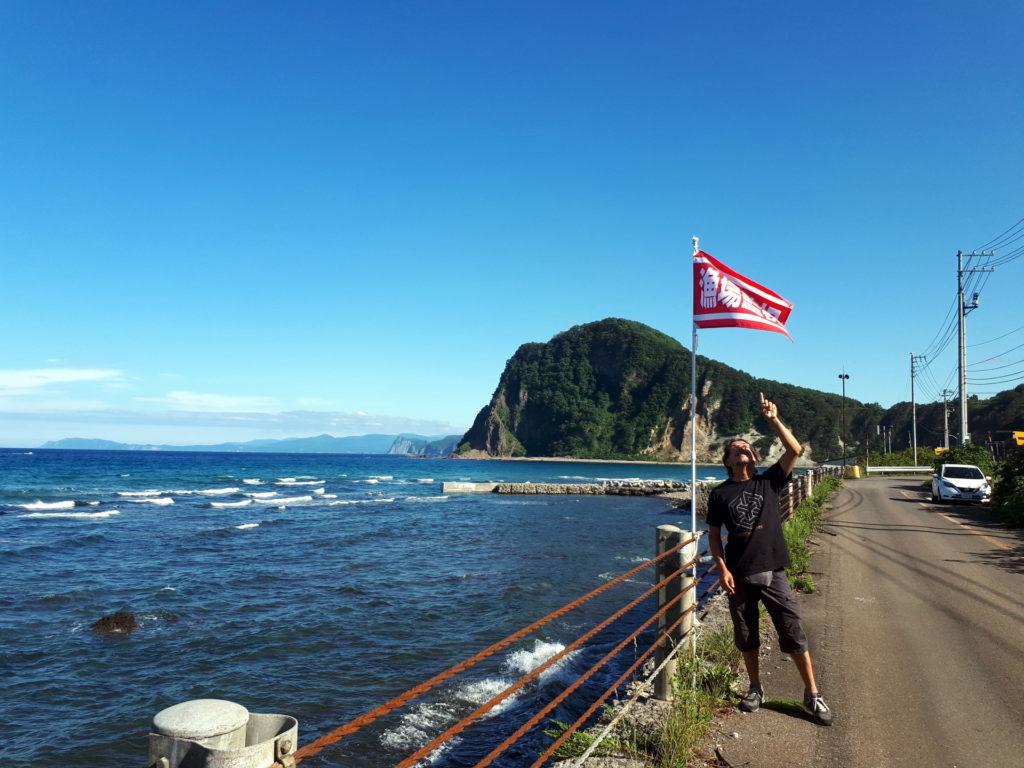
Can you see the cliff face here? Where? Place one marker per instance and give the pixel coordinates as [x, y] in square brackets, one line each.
[619, 389]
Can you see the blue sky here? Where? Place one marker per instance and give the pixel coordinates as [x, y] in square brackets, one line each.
[237, 220]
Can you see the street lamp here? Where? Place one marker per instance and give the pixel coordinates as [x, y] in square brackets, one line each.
[843, 377]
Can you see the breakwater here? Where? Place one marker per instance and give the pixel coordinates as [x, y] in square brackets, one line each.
[606, 488]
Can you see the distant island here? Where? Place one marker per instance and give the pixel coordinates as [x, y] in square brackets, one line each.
[399, 445]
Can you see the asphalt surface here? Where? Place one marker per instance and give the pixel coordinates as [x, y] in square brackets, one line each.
[917, 634]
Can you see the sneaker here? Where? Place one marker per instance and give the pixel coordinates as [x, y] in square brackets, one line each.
[815, 704]
[753, 700]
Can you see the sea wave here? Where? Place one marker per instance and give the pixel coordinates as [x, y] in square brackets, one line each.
[381, 477]
[299, 482]
[262, 495]
[47, 505]
[360, 501]
[139, 493]
[319, 491]
[425, 499]
[247, 526]
[425, 480]
[230, 504]
[160, 501]
[427, 719]
[74, 515]
[252, 481]
[285, 500]
[218, 491]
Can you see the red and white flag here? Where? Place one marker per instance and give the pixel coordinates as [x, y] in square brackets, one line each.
[723, 298]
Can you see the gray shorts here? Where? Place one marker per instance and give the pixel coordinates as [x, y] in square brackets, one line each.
[778, 599]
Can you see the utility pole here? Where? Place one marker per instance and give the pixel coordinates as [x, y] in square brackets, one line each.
[961, 315]
[946, 393]
[913, 400]
[844, 376]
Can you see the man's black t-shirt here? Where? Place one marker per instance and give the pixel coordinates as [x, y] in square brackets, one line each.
[749, 509]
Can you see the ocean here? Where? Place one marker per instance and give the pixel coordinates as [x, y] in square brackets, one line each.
[317, 586]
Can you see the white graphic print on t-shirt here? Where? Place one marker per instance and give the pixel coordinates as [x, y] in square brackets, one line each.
[747, 509]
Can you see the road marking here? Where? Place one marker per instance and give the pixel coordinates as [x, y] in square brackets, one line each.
[987, 538]
[976, 532]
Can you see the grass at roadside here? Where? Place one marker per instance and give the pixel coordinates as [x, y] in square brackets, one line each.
[798, 529]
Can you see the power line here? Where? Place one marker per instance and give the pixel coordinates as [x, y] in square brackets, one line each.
[997, 338]
[1005, 378]
[996, 357]
[994, 242]
[994, 367]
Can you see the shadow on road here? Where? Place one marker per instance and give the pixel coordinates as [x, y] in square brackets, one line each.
[789, 707]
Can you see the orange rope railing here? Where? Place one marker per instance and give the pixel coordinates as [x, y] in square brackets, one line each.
[533, 674]
[332, 737]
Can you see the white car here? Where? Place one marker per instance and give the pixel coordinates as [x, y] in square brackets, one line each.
[960, 482]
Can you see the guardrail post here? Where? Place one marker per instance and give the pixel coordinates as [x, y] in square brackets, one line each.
[667, 537]
[689, 601]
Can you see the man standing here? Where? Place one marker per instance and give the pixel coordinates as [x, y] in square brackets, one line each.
[753, 569]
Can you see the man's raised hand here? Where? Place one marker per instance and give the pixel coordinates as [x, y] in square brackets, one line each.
[768, 409]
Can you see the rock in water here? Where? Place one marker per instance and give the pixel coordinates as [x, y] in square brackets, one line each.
[122, 622]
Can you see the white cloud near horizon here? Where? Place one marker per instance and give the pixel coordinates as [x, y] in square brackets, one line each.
[184, 400]
[15, 382]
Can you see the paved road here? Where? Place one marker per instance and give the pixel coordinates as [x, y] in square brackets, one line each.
[918, 636]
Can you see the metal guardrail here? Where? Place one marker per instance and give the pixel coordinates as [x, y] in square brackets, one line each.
[921, 470]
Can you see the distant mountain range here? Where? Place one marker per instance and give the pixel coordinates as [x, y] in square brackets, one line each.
[403, 445]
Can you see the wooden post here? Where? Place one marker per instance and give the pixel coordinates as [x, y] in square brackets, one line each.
[667, 537]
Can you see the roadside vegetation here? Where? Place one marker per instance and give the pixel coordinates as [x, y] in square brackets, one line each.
[1008, 490]
[798, 529]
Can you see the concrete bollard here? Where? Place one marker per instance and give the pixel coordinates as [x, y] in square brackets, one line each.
[213, 733]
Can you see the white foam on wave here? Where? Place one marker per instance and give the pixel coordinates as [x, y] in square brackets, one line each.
[425, 498]
[139, 493]
[328, 496]
[160, 501]
[319, 491]
[425, 480]
[360, 501]
[298, 482]
[286, 500]
[230, 504]
[262, 495]
[252, 481]
[428, 719]
[574, 477]
[218, 491]
[371, 481]
[381, 477]
[247, 526]
[74, 515]
[48, 505]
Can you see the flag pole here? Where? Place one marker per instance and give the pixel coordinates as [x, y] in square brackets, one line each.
[693, 407]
